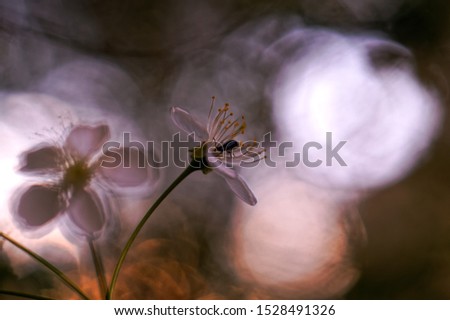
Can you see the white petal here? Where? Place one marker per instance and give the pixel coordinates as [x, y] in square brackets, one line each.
[41, 158]
[236, 184]
[86, 212]
[86, 140]
[187, 123]
[131, 171]
[37, 206]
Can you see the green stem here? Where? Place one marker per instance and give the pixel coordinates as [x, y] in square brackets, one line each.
[23, 295]
[138, 228]
[47, 264]
[99, 270]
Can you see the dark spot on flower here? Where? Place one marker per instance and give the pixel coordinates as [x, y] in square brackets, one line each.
[77, 176]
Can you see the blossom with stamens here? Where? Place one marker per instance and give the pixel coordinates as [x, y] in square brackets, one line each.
[219, 150]
[72, 176]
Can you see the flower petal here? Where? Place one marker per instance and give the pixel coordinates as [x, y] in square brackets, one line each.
[85, 211]
[86, 140]
[236, 184]
[41, 158]
[187, 123]
[129, 172]
[37, 206]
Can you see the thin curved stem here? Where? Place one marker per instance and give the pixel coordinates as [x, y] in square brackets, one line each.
[99, 270]
[138, 228]
[48, 265]
[24, 295]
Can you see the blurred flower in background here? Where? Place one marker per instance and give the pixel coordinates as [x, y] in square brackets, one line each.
[74, 176]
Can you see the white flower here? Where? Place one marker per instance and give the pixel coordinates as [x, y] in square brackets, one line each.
[73, 176]
[218, 150]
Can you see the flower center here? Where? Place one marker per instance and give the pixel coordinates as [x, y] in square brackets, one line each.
[199, 158]
[76, 176]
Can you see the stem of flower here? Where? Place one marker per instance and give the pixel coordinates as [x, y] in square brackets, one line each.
[48, 265]
[23, 295]
[99, 270]
[138, 228]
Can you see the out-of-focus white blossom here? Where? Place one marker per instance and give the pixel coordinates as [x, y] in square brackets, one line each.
[71, 177]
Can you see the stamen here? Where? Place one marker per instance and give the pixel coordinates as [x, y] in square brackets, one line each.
[218, 130]
[221, 133]
[215, 127]
[213, 99]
